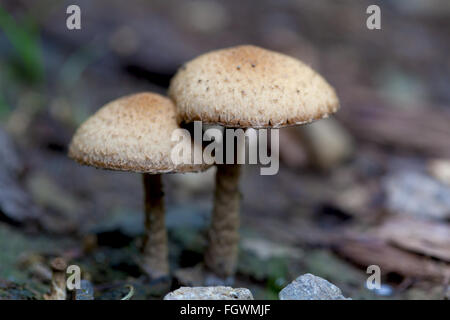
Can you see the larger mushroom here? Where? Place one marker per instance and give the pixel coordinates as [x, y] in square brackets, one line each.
[134, 133]
[247, 87]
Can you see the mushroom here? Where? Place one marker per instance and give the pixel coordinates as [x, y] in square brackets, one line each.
[58, 283]
[133, 133]
[246, 87]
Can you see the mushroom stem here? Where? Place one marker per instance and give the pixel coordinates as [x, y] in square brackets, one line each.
[58, 284]
[221, 254]
[154, 249]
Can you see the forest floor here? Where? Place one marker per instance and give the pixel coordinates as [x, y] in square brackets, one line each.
[386, 204]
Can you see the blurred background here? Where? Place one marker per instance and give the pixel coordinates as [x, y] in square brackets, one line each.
[368, 186]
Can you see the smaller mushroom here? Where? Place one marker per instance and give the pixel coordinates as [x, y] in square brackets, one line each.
[134, 133]
[58, 284]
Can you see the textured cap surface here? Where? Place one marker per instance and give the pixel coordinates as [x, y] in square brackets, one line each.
[247, 86]
[132, 133]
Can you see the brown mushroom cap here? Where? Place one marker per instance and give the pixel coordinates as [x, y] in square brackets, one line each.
[247, 86]
[132, 133]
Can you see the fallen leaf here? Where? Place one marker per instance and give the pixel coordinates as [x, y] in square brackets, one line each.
[424, 237]
[368, 250]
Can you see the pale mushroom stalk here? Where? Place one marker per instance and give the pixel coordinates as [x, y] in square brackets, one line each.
[155, 251]
[221, 254]
[58, 283]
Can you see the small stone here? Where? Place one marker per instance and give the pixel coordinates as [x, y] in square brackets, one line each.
[417, 194]
[384, 290]
[209, 293]
[86, 291]
[440, 170]
[310, 287]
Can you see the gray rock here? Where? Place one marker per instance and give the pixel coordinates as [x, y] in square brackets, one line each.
[417, 194]
[86, 292]
[310, 287]
[209, 293]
